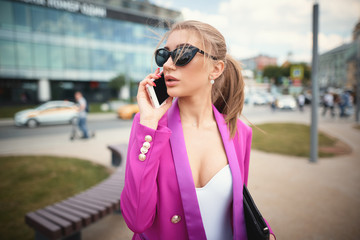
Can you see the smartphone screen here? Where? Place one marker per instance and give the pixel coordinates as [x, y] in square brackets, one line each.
[160, 89]
[158, 94]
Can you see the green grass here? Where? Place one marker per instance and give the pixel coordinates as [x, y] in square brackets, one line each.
[288, 139]
[28, 183]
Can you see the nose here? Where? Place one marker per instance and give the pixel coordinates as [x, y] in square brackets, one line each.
[169, 64]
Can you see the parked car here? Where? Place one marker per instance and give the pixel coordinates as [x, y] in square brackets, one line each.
[286, 102]
[52, 112]
[127, 111]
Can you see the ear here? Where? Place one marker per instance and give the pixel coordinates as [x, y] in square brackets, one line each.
[217, 70]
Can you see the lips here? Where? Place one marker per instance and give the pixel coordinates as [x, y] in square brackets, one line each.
[169, 78]
[171, 81]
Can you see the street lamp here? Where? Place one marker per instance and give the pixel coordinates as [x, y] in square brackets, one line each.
[315, 87]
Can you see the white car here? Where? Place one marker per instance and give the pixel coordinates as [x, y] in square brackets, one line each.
[286, 102]
[52, 112]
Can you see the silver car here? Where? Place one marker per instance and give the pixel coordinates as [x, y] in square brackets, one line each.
[286, 102]
[52, 112]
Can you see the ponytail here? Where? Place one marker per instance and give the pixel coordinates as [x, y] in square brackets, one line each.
[228, 93]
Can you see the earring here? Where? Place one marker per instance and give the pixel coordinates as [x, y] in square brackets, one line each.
[212, 81]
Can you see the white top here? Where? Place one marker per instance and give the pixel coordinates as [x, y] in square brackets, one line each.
[215, 200]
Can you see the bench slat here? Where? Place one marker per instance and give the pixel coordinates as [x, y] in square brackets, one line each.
[102, 210]
[105, 193]
[76, 221]
[95, 215]
[109, 206]
[112, 201]
[65, 225]
[107, 189]
[86, 218]
[43, 225]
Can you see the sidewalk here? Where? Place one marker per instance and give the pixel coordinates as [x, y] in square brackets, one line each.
[300, 200]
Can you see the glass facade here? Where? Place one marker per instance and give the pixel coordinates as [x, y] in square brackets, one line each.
[38, 42]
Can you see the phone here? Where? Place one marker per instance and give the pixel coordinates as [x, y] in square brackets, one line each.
[158, 94]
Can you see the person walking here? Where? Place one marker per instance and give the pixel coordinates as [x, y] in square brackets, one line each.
[188, 160]
[82, 114]
[301, 102]
[328, 103]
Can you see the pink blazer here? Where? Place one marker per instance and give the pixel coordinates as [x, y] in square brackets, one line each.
[159, 198]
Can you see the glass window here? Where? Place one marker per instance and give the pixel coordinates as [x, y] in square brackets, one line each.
[41, 56]
[39, 19]
[6, 15]
[83, 26]
[54, 21]
[94, 27]
[56, 57]
[70, 58]
[22, 17]
[24, 54]
[101, 60]
[107, 30]
[68, 23]
[7, 56]
[83, 58]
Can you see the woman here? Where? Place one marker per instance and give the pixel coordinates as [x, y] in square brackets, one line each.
[187, 162]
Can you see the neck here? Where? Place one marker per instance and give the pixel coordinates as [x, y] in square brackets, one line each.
[196, 111]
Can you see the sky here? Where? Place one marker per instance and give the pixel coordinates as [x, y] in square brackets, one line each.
[276, 28]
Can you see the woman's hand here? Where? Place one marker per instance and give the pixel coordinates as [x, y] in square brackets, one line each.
[150, 116]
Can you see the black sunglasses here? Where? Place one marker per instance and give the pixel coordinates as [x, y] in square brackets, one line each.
[180, 56]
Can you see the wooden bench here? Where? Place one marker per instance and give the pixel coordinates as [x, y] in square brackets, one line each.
[66, 219]
[116, 153]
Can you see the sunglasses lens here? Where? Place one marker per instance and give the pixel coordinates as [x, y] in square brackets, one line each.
[161, 56]
[183, 56]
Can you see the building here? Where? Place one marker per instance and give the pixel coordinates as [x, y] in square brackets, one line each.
[333, 66]
[51, 48]
[337, 67]
[257, 64]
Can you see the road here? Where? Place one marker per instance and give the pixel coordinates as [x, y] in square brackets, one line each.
[97, 123]
[103, 122]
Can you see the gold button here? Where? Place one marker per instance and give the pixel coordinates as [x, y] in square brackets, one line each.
[146, 145]
[143, 150]
[148, 138]
[142, 157]
[175, 219]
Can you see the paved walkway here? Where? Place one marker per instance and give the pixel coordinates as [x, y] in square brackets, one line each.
[301, 200]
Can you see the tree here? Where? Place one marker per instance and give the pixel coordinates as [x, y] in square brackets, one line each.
[117, 83]
[273, 72]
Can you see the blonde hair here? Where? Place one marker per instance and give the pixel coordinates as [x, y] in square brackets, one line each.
[228, 90]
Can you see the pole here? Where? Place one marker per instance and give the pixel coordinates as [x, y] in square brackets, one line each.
[357, 116]
[315, 87]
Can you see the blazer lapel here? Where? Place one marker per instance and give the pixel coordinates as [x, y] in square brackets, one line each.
[238, 218]
[190, 204]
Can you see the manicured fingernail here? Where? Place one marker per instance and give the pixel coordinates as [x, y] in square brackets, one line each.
[154, 84]
[158, 75]
[158, 69]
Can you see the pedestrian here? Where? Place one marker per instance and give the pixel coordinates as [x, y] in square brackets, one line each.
[301, 102]
[344, 103]
[328, 103]
[82, 104]
[188, 160]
